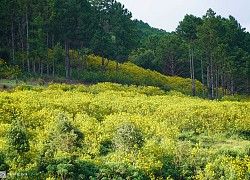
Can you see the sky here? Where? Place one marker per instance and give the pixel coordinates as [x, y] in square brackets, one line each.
[166, 14]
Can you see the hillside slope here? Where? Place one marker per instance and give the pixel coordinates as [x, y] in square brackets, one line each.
[117, 132]
[129, 73]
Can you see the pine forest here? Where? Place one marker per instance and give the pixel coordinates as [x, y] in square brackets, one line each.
[88, 92]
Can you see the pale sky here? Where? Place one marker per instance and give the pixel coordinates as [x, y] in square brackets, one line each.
[166, 14]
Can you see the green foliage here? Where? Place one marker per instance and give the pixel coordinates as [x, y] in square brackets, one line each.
[52, 39]
[63, 167]
[143, 58]
[128, 137]
[131, 74]
[119, 171]
[17, 139]
[236, 97]
[3, 165]
[86, 169]
[226, 168]
[118, 131]
[8, 71]
[23, 87]
[63, 135]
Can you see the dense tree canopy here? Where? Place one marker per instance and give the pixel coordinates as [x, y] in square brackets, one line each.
[212, 49]
[53, 37]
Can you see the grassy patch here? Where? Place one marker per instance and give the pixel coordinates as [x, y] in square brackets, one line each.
[9, 84]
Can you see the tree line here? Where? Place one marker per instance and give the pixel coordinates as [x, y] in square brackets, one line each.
[52, 37]
[46, 36]
[212, 49]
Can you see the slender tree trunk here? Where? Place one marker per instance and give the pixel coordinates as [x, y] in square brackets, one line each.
[34, 66]
[39, 66]
[232, 86]
[191, 66]
[117, 66]
[28, 46]
[42, 66]
[23, 63]
[22, 46]
[70, 65]
[171, 59]
[247, 90]
[79, 65]
[222, 83]
[193, 80]
[212, 78]
[53, 56]
[202, 79]
[217, 82]
[79, 62]
[47, 54]
[13, 42]
[66, 60]
[208, 82]
[78, 70]
[228, 86]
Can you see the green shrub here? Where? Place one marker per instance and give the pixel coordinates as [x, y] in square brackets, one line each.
[86, 170]
[128, 137]
[23, 87]
[41, 82]
[3, 165]
[234, 98]
[226, 167]
[81, 88]
[63, 86]
[129, 73]
[119, 171]
[17, 139]
[63, 135]
[92, 76]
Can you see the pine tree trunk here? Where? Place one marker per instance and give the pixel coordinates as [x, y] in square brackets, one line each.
[228, 86]
[41, 66]
[71, 65]
[13, 42]
[208, 82]
[212, 78]
[34, 66]
[191, 67]
[66, 60]
[222, 84]
[171, 59]
[79, 64]
[247, 90]
[217, 82]
[117, 66]
[47, 54]
[22, 46]
[53, 56]
[202, 79]
[193, 79]
[28, 47]
[232, 87]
